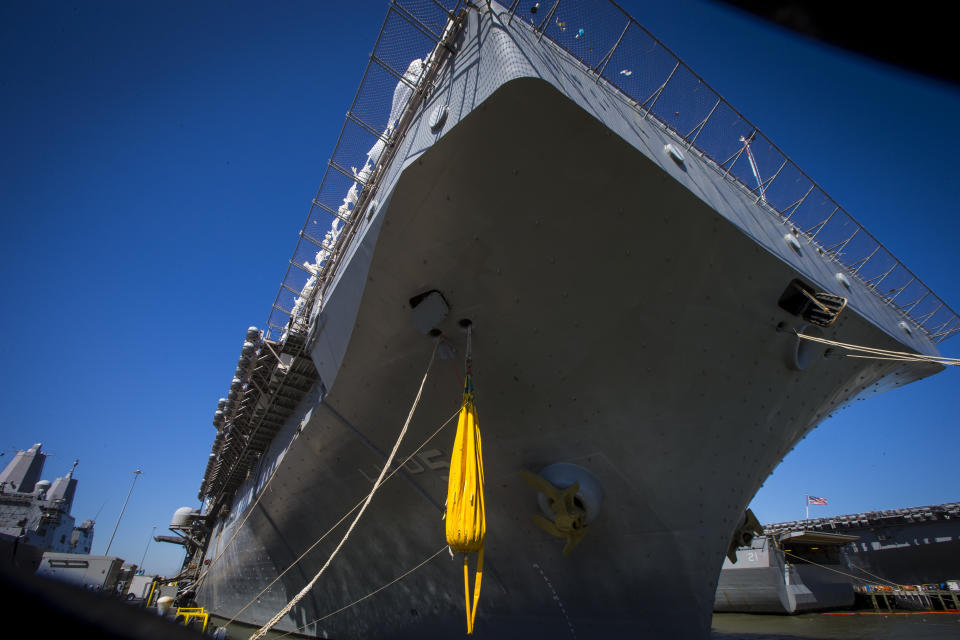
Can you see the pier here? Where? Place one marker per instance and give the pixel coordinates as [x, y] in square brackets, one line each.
[925, 597]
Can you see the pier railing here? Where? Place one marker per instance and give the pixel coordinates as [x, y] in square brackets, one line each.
[664, 90]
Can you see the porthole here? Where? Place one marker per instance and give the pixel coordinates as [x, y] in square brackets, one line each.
[675, 154]
[792, 240]
[438, 117]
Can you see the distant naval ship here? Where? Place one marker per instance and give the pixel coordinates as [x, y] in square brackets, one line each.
[914, 545]
[643, 276]
[813, 564]
[35, 513]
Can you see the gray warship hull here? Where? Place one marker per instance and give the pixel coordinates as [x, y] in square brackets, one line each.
[782, 589]
[625, 320]
[798, 572]
[907, 554]
[911, 546]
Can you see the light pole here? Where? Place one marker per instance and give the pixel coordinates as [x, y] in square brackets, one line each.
[136, 474]
[149, 540]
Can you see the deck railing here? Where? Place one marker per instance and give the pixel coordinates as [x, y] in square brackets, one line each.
[664, 90]
[389, 89]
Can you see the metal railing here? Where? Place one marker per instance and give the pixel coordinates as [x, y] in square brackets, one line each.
[391, 85]
[621, 53]
[664, 90]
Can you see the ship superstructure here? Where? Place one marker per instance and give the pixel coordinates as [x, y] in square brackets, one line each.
[36, 512]
[638, 288]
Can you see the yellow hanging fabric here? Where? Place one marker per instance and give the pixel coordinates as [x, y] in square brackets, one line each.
[466, 517]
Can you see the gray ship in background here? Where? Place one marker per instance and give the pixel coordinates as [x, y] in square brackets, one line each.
[35, 514]
[814, 564]
[793, 572]
[645, 275]
[915, 545]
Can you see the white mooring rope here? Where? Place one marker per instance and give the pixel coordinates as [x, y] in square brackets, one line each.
[236, 530]
[345, 516]
[261, 632]
[882, 354]
[369, 595]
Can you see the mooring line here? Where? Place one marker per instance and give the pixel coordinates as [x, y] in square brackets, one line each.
[369, 595]
[303, 592]
[345, 516]
[882, 354]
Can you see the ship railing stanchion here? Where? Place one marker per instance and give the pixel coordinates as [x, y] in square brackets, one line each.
[511, 10]
[658, 92]
[546, 21]
[699, 127]
[602, 65]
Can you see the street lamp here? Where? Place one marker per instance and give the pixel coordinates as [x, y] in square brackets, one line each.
[136, 474]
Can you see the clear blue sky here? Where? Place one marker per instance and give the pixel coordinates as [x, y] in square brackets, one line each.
[159, 160]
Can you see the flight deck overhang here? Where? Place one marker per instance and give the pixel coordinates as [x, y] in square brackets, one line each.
[816, 538]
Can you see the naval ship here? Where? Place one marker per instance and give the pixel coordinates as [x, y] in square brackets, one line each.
[35, 513]
[813, 564]
[787, 572]
[641, 296]
[913, 545]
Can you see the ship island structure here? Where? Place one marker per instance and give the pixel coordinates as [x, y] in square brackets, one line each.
[641, 274]
[35, 513]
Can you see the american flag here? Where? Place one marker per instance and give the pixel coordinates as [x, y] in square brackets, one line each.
[816, 500]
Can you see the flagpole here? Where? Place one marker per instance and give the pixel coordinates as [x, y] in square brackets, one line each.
[806, 502]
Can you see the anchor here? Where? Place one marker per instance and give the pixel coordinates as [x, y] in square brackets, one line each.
[749, 528]
[569, 518]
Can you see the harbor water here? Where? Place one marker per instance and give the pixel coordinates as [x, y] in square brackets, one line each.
[924, 625]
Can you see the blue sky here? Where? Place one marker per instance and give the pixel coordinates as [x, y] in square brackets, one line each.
[159, 161]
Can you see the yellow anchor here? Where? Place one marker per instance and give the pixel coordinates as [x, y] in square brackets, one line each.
[569, 518]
